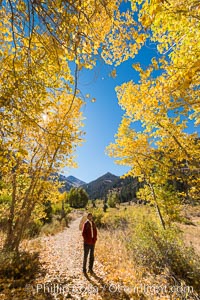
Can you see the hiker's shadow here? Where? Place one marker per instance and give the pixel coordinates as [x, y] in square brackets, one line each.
[108, 290]
[94, 276]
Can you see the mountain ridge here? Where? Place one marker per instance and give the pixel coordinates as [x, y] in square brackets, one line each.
[100, 187]
[125, 187]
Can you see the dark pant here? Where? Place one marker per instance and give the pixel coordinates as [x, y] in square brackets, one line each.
[88, 249]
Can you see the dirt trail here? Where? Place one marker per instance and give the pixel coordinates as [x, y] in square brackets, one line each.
[61, 255]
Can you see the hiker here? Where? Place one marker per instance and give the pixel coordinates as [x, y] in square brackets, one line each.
[89, 234]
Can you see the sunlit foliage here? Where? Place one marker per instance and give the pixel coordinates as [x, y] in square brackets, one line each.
[164, 100]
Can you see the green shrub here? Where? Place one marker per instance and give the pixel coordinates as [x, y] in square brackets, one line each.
[159, 249]
[110, 219]
[5, 199]
[33, 229]
[98, 216]
[54, 227]
[48, 210]
[115, 221]
[77, 198]
[113, 199]
[20, 267]
[152, 247]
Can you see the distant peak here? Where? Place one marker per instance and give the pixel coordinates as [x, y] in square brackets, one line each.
[71, 177]
[107, 175]
[75, 181]
[110, 174]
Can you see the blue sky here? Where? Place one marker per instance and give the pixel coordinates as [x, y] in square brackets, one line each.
[102, 117]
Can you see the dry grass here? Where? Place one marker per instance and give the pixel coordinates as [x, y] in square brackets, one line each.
[121, 268]
[191, 231]
[191, 212]
[192, 235]
[112, 253]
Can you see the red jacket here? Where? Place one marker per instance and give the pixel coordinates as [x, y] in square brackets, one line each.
[87, 233]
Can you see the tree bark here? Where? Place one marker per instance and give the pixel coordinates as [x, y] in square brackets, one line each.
[157, 206]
